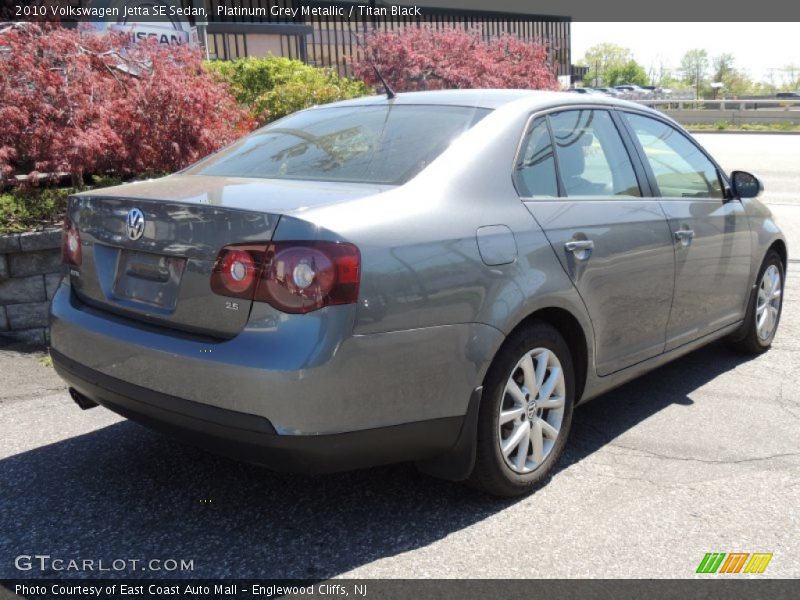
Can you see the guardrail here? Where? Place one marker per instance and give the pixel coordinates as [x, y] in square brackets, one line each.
[773, 111]
[723, 104]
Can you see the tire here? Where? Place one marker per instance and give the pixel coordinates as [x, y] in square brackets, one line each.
[510, 474]
[752, 339]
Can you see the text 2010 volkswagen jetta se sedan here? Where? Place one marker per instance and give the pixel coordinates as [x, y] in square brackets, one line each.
[438, 277]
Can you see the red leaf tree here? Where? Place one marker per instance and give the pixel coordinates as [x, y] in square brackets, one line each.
[80, 104]
[423, 58]
[174, 113]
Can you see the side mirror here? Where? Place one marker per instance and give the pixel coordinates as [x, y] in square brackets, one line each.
[746, 185]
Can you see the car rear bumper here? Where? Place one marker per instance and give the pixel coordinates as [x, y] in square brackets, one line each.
[253, 439]
[294, 385]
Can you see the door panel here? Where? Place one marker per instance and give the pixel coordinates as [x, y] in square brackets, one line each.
[712, 269]
[711, 234]
[615, 245]
[626, 281]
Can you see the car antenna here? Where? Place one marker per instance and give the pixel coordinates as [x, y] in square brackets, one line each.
[390, 93]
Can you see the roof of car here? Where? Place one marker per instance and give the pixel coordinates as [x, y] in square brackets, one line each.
[488, 98]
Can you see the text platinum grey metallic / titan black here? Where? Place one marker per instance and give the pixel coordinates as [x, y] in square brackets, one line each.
[438, 277]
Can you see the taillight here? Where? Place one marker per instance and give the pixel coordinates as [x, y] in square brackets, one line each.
[236, 271]
[294, 277]
[71, 244]
[299, 277]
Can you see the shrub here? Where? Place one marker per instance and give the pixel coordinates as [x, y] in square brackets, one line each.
[24, 209]
[273, 87]
[175, 113]
[422, 58]
[89, 104]
[54, 107]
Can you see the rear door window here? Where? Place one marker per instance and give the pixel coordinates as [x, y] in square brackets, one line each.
[592, 159]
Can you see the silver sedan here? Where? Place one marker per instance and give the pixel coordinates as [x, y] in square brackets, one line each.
[439, 277]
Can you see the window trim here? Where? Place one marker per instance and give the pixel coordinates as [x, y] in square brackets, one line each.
[639, 172]
[721, 175]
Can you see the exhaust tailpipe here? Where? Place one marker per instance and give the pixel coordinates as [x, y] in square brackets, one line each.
[81, 400]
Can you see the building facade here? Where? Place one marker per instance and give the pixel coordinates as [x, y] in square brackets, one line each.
[238, 28]
[328, 40]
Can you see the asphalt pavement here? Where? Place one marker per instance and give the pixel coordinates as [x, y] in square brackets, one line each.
[702, 455]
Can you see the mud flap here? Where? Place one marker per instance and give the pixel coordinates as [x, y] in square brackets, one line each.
[457, 463]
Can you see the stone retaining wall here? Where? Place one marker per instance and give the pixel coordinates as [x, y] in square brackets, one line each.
[30, 271]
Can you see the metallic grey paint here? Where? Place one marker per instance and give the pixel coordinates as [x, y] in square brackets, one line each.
[452, 262]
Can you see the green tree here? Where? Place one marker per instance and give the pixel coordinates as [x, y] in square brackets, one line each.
[694, 68]
[722, 67]
[631, 72]
[738, 83]
[664, 77]
[791, 79]
[602, 57]
[723, 70]
[658, 72]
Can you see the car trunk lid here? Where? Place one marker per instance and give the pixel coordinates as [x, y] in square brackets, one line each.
[159, 271]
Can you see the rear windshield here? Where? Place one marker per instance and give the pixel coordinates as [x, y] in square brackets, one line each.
[364, 144]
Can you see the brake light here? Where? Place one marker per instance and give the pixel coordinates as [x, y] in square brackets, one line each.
[236, 271]
[294, 277]
[71, 244]
[299, 277]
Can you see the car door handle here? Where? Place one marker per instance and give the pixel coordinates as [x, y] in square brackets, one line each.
[684, 234]
[578, 245]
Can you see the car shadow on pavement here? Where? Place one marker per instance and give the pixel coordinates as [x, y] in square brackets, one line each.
[11, 345]
[605, 418]
[123, 492]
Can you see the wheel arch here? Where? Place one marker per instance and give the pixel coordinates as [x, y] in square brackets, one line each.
[457, 464]
[570, 328]
[779, 246]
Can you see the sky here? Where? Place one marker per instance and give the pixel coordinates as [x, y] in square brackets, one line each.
[757, 47]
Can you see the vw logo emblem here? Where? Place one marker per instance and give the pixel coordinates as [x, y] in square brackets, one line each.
[135, 224]
[532, 409]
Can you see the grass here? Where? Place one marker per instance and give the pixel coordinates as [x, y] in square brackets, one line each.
[34, 208]
[726, 126]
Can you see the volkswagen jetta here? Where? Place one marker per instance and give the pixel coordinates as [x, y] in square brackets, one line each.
[439, 277]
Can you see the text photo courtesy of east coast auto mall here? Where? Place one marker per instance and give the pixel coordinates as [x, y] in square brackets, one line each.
[396, 299]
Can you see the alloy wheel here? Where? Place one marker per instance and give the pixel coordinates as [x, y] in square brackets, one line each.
[768, 304]
[531, 411]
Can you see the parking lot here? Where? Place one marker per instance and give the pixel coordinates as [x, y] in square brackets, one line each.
[702, 455]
